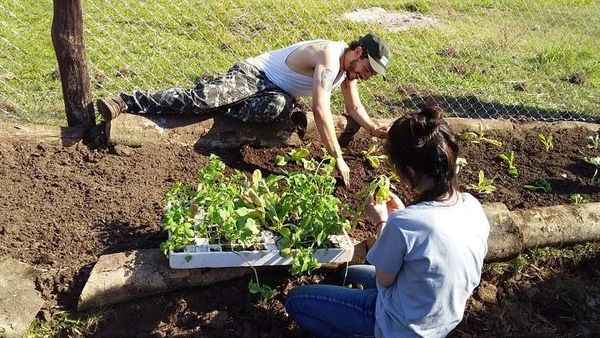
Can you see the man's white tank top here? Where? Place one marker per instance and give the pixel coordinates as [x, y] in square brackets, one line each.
[273, 65]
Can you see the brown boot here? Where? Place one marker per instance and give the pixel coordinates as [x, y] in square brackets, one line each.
[111, 107]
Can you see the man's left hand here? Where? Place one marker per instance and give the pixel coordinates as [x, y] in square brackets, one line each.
[380, 132]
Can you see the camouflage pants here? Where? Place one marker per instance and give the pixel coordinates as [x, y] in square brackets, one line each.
[244, 93]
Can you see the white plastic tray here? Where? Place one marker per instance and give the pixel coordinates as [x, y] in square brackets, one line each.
[204, 255]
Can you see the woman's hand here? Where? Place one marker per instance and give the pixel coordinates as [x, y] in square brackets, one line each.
[378, 213]
[394, 203]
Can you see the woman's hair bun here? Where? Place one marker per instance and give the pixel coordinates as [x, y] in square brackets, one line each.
[432, 115]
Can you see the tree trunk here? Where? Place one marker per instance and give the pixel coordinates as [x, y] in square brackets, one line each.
[67, 38]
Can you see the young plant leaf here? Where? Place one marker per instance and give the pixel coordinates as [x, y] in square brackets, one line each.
[539, 185]
[547, 141]
[280, 160]
[484, 185]
[578, 199]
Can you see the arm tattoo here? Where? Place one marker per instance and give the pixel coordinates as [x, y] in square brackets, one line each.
[327, 79]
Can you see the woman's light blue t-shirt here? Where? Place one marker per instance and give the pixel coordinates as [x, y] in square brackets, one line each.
[436, 250]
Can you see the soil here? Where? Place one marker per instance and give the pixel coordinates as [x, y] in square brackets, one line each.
[62, 208]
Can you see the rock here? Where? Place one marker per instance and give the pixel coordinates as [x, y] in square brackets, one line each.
[122, 150]
[487, 292]
[19, 301]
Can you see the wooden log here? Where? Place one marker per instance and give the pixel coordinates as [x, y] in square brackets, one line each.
[559, 225]
[124, 276]
[205, 132]
[67, 38]
[65, 136]
[505, 240]
[214, 132]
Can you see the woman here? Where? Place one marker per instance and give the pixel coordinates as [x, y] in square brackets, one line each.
[428, 256]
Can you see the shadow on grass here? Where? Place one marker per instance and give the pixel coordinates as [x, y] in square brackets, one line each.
[473, 107]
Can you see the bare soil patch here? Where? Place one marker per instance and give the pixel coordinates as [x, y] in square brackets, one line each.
[62, 208]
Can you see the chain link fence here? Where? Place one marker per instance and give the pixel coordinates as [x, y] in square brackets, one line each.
[515, 59]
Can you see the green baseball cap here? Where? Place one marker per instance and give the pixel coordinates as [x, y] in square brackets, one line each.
[377, 51]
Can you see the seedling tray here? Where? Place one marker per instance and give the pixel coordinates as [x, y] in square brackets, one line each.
[205, 255]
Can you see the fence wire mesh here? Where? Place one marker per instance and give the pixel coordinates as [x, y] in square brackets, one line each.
[516, 59]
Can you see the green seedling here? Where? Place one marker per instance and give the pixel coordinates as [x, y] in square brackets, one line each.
[297, 155]
[547, 141]
[484, 185]
[595, 161]
[593, 142]
[374, 160]
[578, 199]
[380, 188]
[509, 158]
[263, 291]
[281, 160]
[478, 137]
[461, 162]
[233, 210]
[539, 185]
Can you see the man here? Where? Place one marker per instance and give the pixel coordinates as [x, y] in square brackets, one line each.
[263, 88]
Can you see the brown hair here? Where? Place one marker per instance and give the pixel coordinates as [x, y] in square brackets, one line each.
[424, 143]
[355, 44]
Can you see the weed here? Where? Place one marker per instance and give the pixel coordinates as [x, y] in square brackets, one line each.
[66, 324]
[577, 199]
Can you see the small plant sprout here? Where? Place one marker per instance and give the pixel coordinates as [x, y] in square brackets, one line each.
[484, 185]
[380, 188]
[509, 158]
[577, 199]
[595, 161]
[547, 141]
[461, 162]
[297, 155]
[372, 158]
[593, 142]
[539, 185]
[281, 160]
[478, 137]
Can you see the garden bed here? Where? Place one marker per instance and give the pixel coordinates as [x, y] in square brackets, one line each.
[61, 208]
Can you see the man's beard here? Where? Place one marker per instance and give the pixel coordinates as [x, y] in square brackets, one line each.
[351, 71]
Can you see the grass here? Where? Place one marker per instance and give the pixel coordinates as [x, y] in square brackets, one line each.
[65, 324]
[546, 45]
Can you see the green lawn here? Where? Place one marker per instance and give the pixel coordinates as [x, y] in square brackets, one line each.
[537, 45]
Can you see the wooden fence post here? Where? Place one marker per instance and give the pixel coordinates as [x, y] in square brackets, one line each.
[67, 38]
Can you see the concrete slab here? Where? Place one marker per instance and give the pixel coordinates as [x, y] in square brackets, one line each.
[19, 300]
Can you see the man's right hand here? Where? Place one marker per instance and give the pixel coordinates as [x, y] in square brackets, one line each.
[343, 169]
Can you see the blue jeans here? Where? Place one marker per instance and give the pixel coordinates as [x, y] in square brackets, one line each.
[336, 311]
